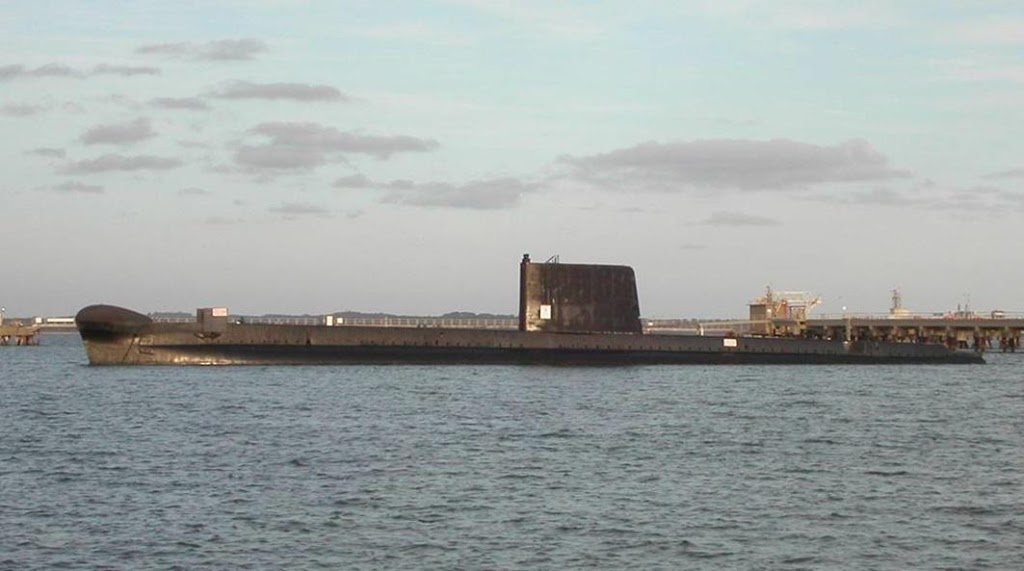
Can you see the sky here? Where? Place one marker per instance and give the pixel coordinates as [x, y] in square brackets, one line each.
[306, 156]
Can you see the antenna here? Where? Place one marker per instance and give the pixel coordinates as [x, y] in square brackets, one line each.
[897, 301]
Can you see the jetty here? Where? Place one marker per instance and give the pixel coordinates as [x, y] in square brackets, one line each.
[18, 334]
[787, 314]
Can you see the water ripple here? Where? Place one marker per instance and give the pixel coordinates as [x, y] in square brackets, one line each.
[508, 468]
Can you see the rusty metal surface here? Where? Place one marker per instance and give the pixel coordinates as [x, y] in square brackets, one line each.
[110, 319]
[582, 298]
[252, 344]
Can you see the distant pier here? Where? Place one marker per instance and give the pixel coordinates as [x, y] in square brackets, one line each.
[963, 332]
[978, 333]
[18, 334]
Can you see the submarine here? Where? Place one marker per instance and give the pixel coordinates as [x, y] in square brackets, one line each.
[569, 314]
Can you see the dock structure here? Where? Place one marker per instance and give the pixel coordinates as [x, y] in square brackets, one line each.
[787, 314]
[18, 334]
[978, 333]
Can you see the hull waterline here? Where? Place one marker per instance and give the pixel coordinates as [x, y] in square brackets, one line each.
[117, 336]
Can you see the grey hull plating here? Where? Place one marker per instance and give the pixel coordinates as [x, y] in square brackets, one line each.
[117, 336]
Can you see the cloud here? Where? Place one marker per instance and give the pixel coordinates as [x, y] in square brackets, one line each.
[115, 162]
[182, 48]
[21, 110]
[287, 146]
[978, 199]
[722, 218]
[777, 164]
[927, 195]
[882, 197]
[490, 194]
[124, 70]
[353, 181]
[279, 157]
[293, 91]
[1012, 173]
[17, 71]
[48, 70]
[219, 50]
[74, 186]
[292, 209]
[186, 103]
[1001, 198]
[119, 133]
[243, 49]
[328, 138]
[47, 152]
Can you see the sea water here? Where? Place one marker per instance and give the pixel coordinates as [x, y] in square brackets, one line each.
[484, 467]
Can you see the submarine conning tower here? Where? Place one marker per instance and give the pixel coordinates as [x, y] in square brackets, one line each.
[577, 298]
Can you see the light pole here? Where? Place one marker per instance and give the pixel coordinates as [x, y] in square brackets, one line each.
[3, 310]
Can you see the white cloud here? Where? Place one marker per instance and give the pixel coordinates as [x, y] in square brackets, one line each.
[776, 164]
[883, 196]
[18, 71]
[280, 157]
[119, 133]
[21, 110]
[1011, 173]
[115, 162]
[488, 194]
[353, 181]
[308, 145]
[124, 70]
[294, 91]
[47, 152]
[218, 50]
[79, 187]
[185, 103]
[49, 70]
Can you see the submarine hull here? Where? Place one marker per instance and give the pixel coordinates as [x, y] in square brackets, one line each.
[117, 336]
